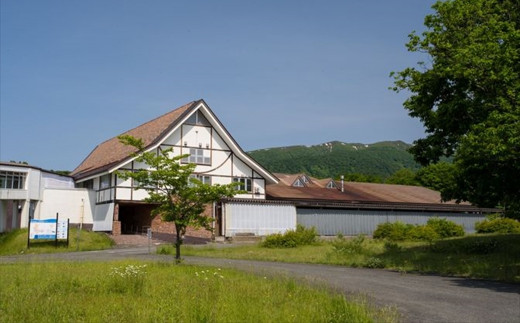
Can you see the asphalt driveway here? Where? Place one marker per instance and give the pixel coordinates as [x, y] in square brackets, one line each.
[419, 298]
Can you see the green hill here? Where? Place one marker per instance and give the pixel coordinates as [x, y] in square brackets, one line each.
[334, 158]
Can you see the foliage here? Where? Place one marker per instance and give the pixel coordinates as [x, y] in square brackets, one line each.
[403, 176]
[490, 256]
[435, 228]
[363, 178]
[467, 97]
[375, 161]
[439, 177]
[348, 246]
[393, 231]
[128, 279]
[445, 228]
[180, 198]
[498, 225]
[291, 238]
[422, 233]
[15, 242]
[83, 292]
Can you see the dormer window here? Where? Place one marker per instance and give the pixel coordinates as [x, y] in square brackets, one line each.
[331, 184]
[305, 179]
[298, 183]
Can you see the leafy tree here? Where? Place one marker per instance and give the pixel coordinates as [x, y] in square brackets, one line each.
[439, 177]
[403, 176]
[468, 96]
[179, 197]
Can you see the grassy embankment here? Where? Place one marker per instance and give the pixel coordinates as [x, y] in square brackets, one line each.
[161, 292]
[15, 243]
[493, 256]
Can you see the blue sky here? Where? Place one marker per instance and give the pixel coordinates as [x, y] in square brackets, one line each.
[276, 73]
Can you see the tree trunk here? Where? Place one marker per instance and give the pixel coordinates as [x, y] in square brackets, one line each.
[178, 242]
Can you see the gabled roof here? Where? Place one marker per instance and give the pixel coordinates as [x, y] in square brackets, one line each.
[363, 195]
[112, 154]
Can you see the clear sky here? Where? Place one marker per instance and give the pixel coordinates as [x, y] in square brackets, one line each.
[277, 73]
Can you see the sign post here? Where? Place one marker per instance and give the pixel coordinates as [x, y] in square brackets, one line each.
[48, 229]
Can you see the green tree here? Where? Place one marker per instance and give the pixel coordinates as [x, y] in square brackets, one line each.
[179, 197]
[439, 177]
[404, 176]
[468, 97]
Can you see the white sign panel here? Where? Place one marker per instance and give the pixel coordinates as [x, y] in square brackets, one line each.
[63, 229]
[46, 229]
[43, 229]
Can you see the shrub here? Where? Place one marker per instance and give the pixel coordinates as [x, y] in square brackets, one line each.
[374, 262]
[393, 231]
[292, 238]
[498, 225]
[348, 246]
[445, 228]
[423, 233]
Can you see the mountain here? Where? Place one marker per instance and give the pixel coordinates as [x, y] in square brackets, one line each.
[332, 159]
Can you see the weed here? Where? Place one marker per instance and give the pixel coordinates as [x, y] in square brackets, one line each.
[291, 238]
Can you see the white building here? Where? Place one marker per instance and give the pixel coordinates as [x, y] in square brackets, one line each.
[191, 129]
[31, 192]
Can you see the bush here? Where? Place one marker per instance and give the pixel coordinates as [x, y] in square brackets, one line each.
[423, 233]
[498, 225]
[348, 246]
[393, 231]
[445, 228]
[292, 238]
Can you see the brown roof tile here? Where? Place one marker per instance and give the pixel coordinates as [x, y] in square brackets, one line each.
[354, 192]
[112, 152]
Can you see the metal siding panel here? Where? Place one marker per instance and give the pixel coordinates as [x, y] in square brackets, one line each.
[259, 219]
[329, 222]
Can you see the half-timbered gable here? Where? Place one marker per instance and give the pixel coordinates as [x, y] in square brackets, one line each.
[192, 130]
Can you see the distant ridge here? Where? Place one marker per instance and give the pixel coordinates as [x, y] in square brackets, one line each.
[332, 159]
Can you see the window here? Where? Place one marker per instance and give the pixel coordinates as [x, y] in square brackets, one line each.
[86, 184]
[12, 180]
[198, 119]
[198, 156]
[245, 184]
[104, 181]
[205, 179]
[298, 183]
[331, 184]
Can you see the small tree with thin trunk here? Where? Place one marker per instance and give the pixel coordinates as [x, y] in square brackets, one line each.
[180, 198]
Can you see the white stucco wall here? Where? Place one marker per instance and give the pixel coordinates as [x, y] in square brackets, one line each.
[76, 205]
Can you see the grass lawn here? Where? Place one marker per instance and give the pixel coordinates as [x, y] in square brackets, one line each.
[15, 243]
[159, 292]
[494, 256]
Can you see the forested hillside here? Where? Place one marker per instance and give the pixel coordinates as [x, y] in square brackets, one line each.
[335, 158]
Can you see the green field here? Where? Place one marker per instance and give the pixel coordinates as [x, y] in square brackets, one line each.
[494, 256]
[159, 292]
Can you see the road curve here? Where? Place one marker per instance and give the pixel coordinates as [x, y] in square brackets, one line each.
[419, 298]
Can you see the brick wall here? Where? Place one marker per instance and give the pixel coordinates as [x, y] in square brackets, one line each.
[161, 226]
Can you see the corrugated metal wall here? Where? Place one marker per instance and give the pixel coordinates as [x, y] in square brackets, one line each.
[259, 219]
[329, 222]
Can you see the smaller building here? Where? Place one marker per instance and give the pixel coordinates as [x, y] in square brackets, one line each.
[352, 208]
[31, 192]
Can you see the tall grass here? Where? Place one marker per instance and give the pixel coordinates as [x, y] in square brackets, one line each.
[494, 256]
[15, 242]
[99, 292]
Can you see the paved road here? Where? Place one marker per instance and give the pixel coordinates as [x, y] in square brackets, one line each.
[419, 298]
